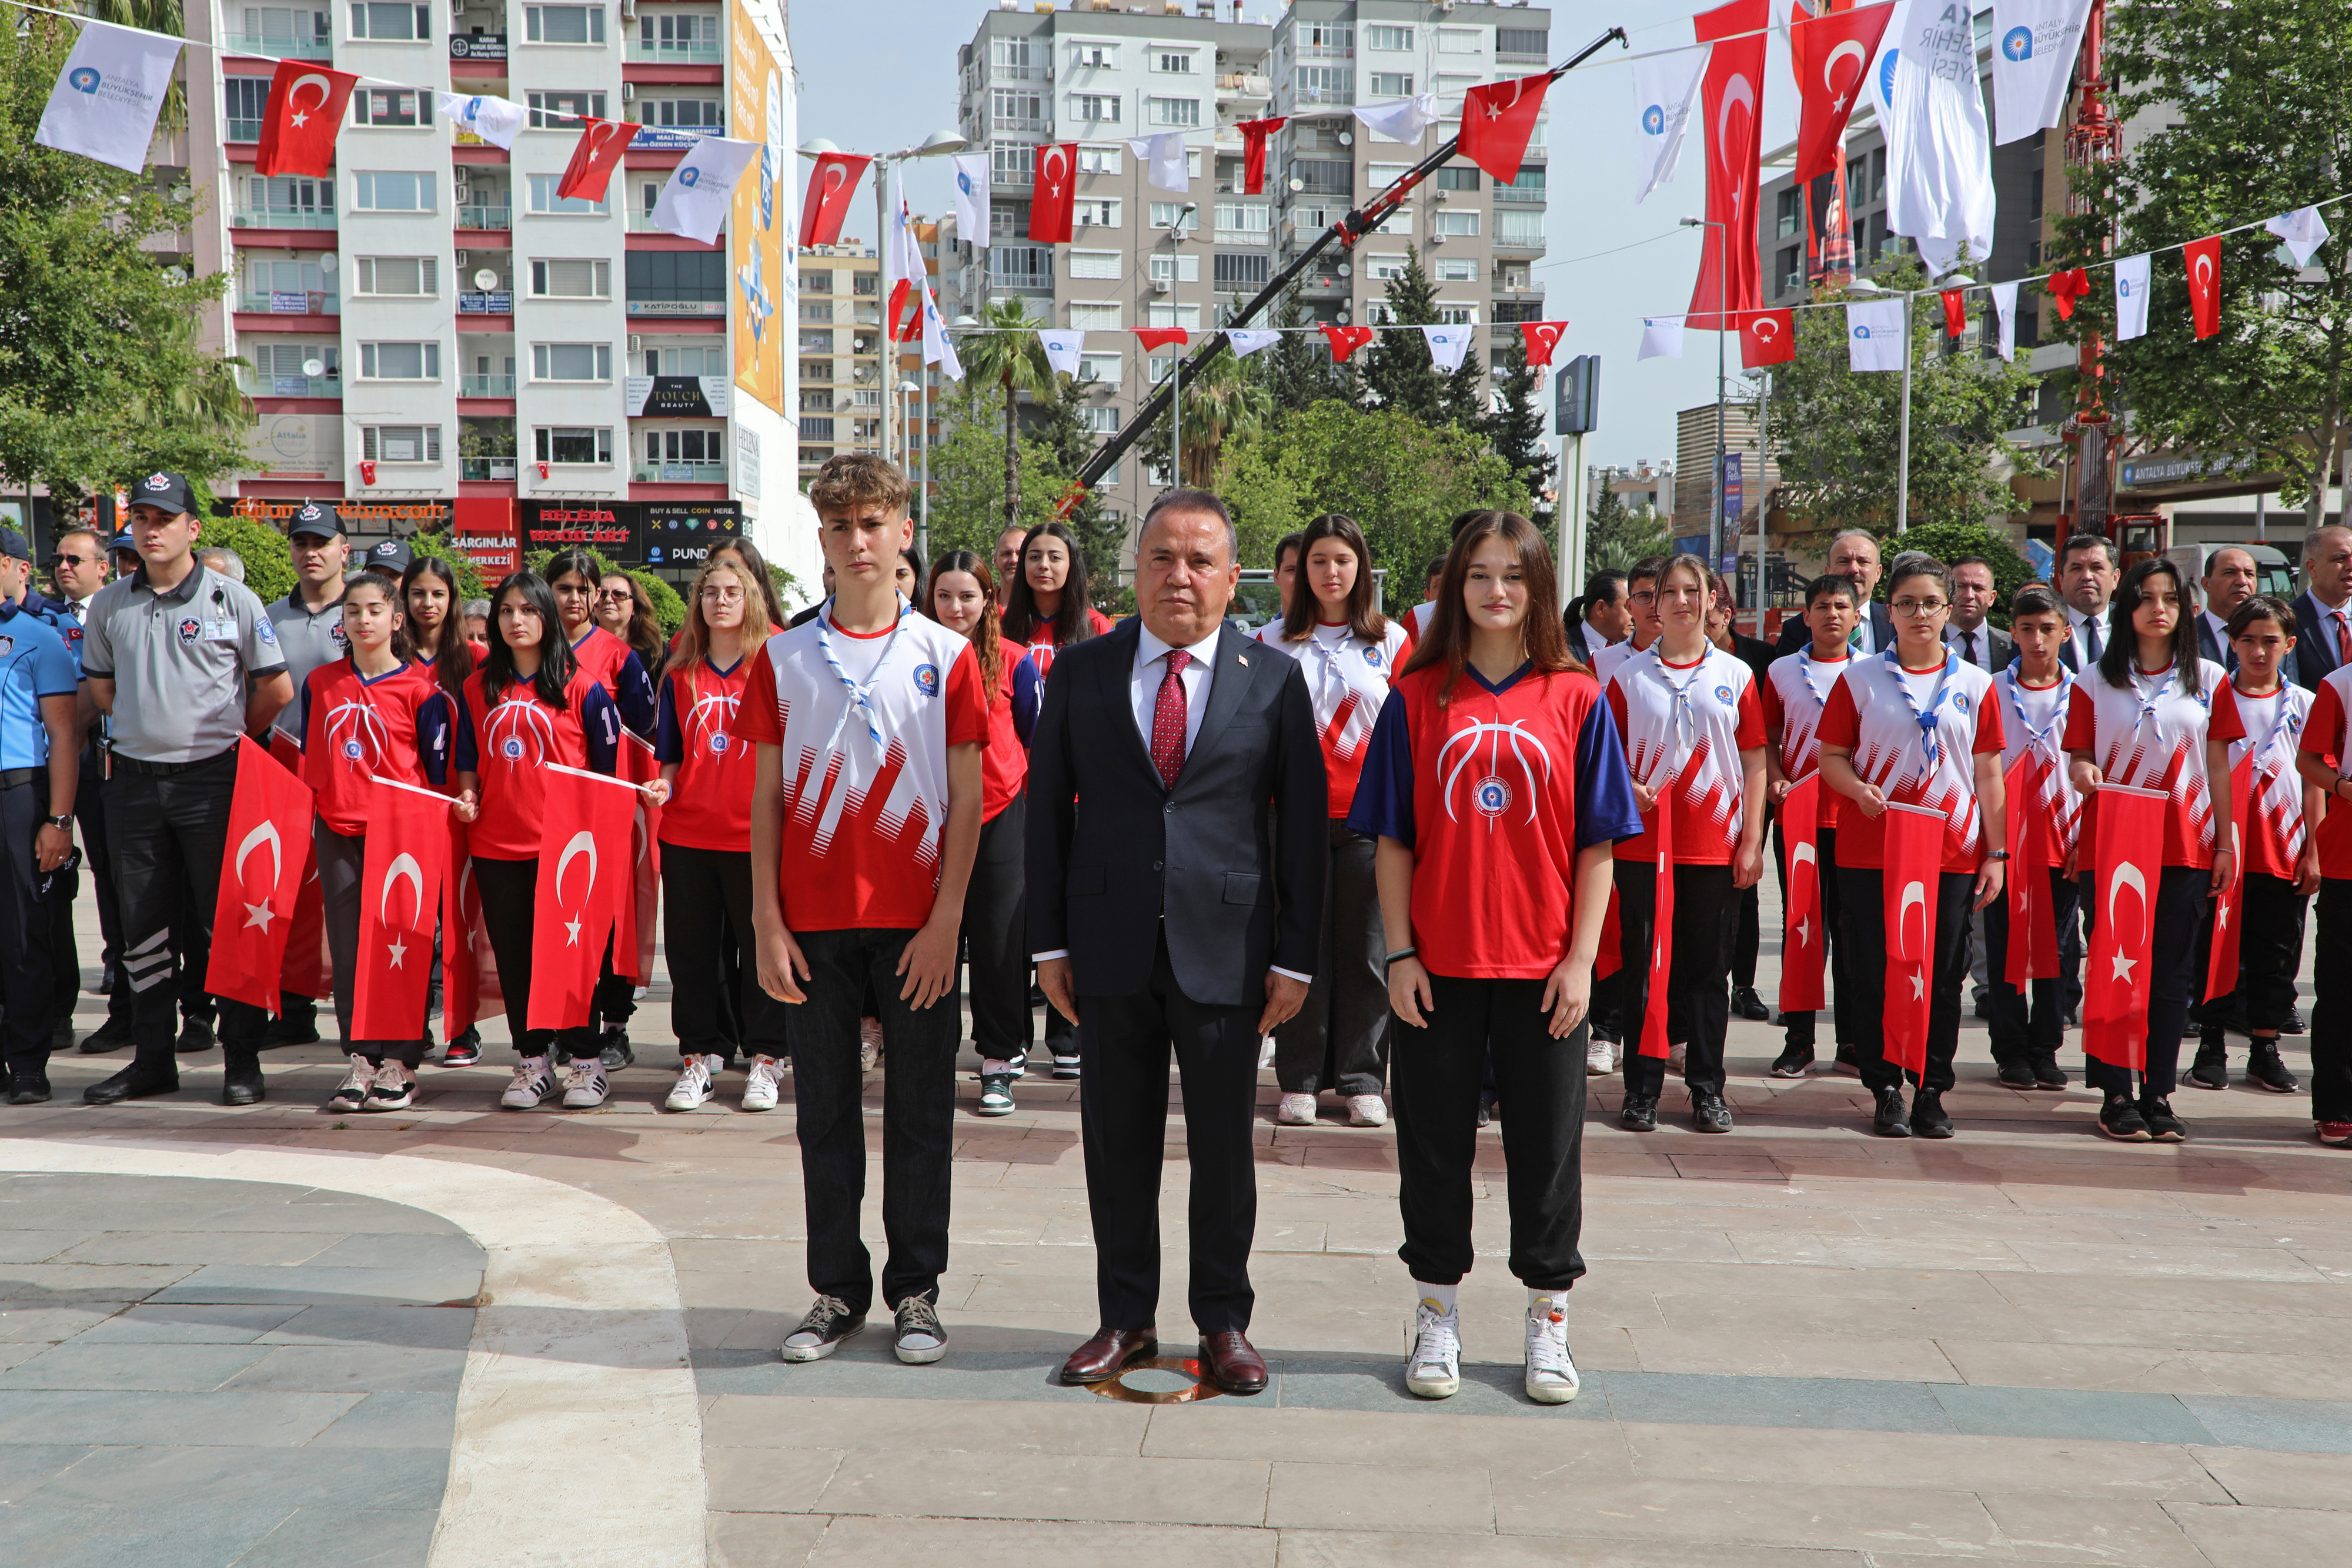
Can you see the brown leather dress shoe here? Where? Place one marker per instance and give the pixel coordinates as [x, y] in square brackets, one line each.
[1108, 1354]
[1231, 1364]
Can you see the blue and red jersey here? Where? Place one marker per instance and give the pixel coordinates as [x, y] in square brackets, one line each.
[358, 727]
[709, 805]
[622, 675]
[506, 743]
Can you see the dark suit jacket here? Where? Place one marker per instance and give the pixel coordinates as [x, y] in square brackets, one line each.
[2004, 648]
[1794, 635]
[1756, 653]
[1233, 855]
[2313, 658]
[2211, 647]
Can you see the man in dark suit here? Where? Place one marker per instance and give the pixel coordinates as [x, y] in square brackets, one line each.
[1978, 641]
[1180, 907]
[2229, 581]
[2322, 610]
[1602, 616]
[1853, 555]
[2087, 576]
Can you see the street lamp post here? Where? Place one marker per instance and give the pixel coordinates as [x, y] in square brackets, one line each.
[1722, 325]
[1176, 368]
[911, 390]
[1902, 421]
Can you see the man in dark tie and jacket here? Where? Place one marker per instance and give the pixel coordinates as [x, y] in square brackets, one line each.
[2322, 610]
[1179, 906]
[2230, 580]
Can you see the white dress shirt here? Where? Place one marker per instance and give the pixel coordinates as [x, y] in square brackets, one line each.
[1980, 654]
[1151, 669]
[2333, 618]
[2221, 629]
[1864, 638]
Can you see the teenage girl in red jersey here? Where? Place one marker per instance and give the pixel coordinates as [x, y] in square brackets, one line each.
[430, 604]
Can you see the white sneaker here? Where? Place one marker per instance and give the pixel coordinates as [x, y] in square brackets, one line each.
[532, 1085]
[1265, 1053]
[1367, 1110]
[584, 1085]
[759, 1084]
[351, 1092]
[1552, 1374]
[393, 1089]
[1434, 1367]
[1600, 1057]
[869, 1042]
[693, 1086]
[1296, 1111]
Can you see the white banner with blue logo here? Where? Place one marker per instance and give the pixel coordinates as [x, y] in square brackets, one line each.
[1938, 149]
[2034, 44]
[1065, 349]
[1664, 87]
[497, 120]
[104, 104]
[1448, 345]
[1874, 334]
[1662, 338]
[2004, 304]
[701, 188]
[2131, 297]
[972, 179]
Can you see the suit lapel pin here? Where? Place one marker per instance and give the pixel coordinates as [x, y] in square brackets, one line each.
[1242, 657]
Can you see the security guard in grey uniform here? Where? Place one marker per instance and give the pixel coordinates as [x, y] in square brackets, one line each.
[186, 661]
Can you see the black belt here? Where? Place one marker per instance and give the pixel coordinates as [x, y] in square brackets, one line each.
[163, 769]
[12, 777]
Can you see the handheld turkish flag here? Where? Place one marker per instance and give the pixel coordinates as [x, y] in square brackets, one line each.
[470, 991]
[1830, 55]
[634, 944]
[602, 145]
[2203, 260]
[1541, 338]
[1345, 340]
[2221, 974]
[1497, 120]
[2065, 288]
[1805, 942]
[584, 855]
[262, 866]
[300, 121]
[307, 968]
[1662, 929]
[1731, 94]
[832, 184]
[2127, 860]
[1254, 134]
[2032, 924]
[401, 878]
[1160, 336]
[1054, 192]
[1955, 312]
[1913, 867]
[1767, 337]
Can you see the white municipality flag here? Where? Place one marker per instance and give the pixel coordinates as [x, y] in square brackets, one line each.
[1874, 334]
[1664, 87]
[2304, 230]
[1248, 341]
[1662, 338]
[105, 102]
[1447, 346]
[1938, 149]
[972, 197]
[936, 349]
[1163, 159]
[1062, 348]
[1402, 120]
[2131, 297]
[2004, 303]
[496, 120]
[2034, 44]
[701, 189]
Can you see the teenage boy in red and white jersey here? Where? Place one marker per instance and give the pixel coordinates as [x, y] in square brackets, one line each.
[2033, 694]
[2324, 754]
[866, 812]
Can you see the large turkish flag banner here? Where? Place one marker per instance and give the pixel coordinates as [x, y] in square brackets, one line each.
[1497, 120]
[401, 876]
[1805, 942]
[2127, 867]
[584, 859]
[832, 183]
[1054, 192]
[1913, 868]
[1831, 57]
[1731, 95]
[299, 122]
[264, 859]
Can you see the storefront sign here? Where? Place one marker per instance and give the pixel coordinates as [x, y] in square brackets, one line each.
[674, 397]
[599, 526]
[684, 533]
[485, 305]
[677, 307]
[402, 517]
[477, 45]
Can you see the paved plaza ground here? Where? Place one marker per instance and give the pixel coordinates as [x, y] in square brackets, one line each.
[463, 1336]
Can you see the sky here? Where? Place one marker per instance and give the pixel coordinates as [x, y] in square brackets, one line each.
[881, 74]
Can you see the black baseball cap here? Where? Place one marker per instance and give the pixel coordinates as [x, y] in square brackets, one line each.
[166, 491]
[319, 522]
[14, 546]
[389, 555]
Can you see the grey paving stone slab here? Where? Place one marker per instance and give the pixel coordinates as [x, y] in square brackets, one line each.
[348, 1538]
[2124, 1417]
[197, 1248]
[132, 1537]
[414, 1328]
[1487, 1390]
[186, 1323]
[27, 1320]
[394, 1421]
[50, 1416]
[362, 1369]
[78, 1364]
[172, 1478]
[38, 1246]
[51, 1284]
[1856, 1405]
[310, 1285]
[395, 1249]
[24, 1467]
[858, 1372]
[2297, 1426]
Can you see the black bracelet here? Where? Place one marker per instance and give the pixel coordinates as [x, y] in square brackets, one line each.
[1401, 952]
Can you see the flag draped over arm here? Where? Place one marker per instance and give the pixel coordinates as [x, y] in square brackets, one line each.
[264, 860]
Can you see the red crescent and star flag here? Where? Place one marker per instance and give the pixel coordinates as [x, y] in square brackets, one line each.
[2066, 287]
[2203, 260]
[264, 859]
[2127, 865]
[2221, 974]
[1805, 944]
[309, 967]
[1767, 337]
[585, 853]
[1955, 312]
[833, 184]
[298, 124]
[603, 144]
[1661, 823]
[1162, 337]
[2032, 924]
[1054, 192]
[639, 918]
[1345, 340]
[1254, 134]
[1831, 56]
[1731, 97]
[1913, 868]
[1541, 338]
[470, 991]
[401, 878]
[1497, 120]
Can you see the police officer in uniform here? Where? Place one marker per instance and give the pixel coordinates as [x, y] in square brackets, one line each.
[80, 568]
[185, 662]
[65, 885]
[40, 762]
[309, 626]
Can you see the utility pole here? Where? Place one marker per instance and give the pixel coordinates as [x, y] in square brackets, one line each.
[1722, 326]
[2093, 138]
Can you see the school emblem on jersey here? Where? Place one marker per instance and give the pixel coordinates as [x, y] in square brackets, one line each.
[353, 750]
[1372, 657]
[1723, 695]
[190, 629]
[927, 679]
[1491, 796]
[720, 742]
[1960, 702]
[1492, 747]
[512, 747]
[7, 646]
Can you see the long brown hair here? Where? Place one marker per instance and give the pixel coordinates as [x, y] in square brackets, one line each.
[453, 655]
[1446, 640]
[694, 637]
[643, 633]
[988, 637]
[1364, 617]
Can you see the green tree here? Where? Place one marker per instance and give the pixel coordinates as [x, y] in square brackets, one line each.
[1102, 533]
[268, 565]
[1949, 542]
[1397, 371]
[469, 576]
[1224, 406]
[1835, 431]
[1618, 536]
[1516, 429]
[669, 610]
[1299, 370]
[1009, 355]
[2243, 106]
[968, 467]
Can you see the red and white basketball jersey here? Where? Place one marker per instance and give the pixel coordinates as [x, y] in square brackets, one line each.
[1796, 689]
[2150, 734]
[2324, 737]
[1348, 676]
[2271, 730]
[1874, 713]
[2034, 718]
[1685, 727]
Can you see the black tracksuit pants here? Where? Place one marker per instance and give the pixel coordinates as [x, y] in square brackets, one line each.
[705, 892]
[509, 890]
[1339, 1039]
[2022, 1032]
[1865, 912]
[2183, 899]
[2331, 1003]
[995, 932]
[1698, 997]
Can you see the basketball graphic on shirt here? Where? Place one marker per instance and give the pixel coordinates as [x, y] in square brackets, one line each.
[1493, 747]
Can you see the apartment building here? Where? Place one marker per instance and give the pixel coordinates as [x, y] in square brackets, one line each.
[841, 386]
[438, 340]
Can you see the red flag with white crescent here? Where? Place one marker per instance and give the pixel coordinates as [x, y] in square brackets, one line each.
[1806, 941]
[400, 877]
[832, 183]
[1767, 337]
[309, 967]
[1054, 192]
[602, 145]
[264, 859]
[1345, 340]
[1254, 134]
[2203, 260]
[470, 991]
[1955, 312]
[1612, 955]
[2032, 852]
[1731, 95]
[1912, 870]
[1497, 121]
[2221, 974]
[585, 852]
[300, 121]
[1153, 337]
[1541, 338]
[1661, 823]
[640, 916]
[2065, 287]
[1831, 57]
[2127, 866]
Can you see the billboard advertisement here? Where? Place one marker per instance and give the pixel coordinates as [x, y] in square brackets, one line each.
[757, 237]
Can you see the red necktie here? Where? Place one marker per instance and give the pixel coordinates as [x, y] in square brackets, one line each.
[2343, 639]
[1167, 720]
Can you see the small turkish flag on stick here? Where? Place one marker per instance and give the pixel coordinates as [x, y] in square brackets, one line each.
[603, 144]
[263, 861]
[1913, 867]
[1767, 337]
[1541, 338]
[2221, 974]
[401, 878]
[1345, 340]
[2126, 869]
[584, 856]
[1806, 941]
[832, 183]
[1497, 120]
[1661, 927]
[300, 121]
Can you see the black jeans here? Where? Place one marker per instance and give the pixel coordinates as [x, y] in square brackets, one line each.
[166, 836]
[995, 938]
[1698, 999]
[705, 892]
[1123, 1111]
[1747, 935]
[1340, 1037]
[1865, 915]
[2183, 899]
[1799, 1027]
[27, 970]
[918, 1119]
[341, 858]
[509, 890]
[2270, 950]
[1439, 1068]
[2020, 1034]
[2331, 1003]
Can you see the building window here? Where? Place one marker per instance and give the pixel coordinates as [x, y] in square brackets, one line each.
[1178, 61]
[695, 361]
[1103, 368]
[1172, 215]
[1094, 266]
[401, 443]
[1324, 176]
[544, 200]
[867, 284]
[1023, 266]
[1391, 84]
[1185, 316]
[391, 193]
[1455, 270]
[1245, 218]
[1235, 273]
[1015, 165]
[563, 24]
[1788, 212]
[678, 277]
[1877, 174]
[276, 366]
[1015, 109]
[1098, 420]
[574, 280]
[562, 110]
[245, 103]
[816, 343]
[1457, 315]
[1325, 40]
[817, 310]
[1096, 211]
[1791, 275]
[1009, 54]
[1095, 57]
[1173, 111]
[1396, 38]
[400, 361]
[1169, 268]
[684, 446]
[1523, 230]
[409, 274]
[398, 23]
[1100, 159]
[580, 443]
[1458, 223]
[816, 282]
[380, 106]
[1094, 108]
[1326, 84]
[1383, 269]
[1522, 43]
[1087, 317]
[1455, 177]
[1459, 40]
[685, 113]
[571, 361]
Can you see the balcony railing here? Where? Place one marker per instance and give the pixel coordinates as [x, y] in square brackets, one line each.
[279, 46]
[253, 383]
[1516, 196]
[486, 217]
[281, 218]
[1030, 122]
[487, 469]
[674, 52]
[486, 386]
[816, 429]
[1236, 86]
[244, 129]
[685, 472]
[288, 302]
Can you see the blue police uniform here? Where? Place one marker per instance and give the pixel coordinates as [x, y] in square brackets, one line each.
[34, 665]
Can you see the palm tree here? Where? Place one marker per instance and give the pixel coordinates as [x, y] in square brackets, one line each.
[1011, 355]
[1221, 404]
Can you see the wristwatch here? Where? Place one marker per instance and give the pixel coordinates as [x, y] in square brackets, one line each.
[1996, 855]
[65, 821]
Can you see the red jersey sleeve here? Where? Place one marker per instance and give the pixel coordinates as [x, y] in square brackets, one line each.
[758, 721]
[966, 701]
[2228, 723]
[2082, 720]
[1841, 725]
[1989, 737]
[1750, 734]
[2323, 732]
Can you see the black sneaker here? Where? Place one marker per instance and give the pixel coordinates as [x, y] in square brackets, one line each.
[1485, 1112]
[1709, 1112]
[1794, 1061]
[1980, 1002]
[2156, 1112]
[195, 1038]
[916, 1335]
[1747, 1004]
[2263, 1067]
[828, 1322]
[1928, 1117]
[2211, 1068]
[1847, 1063]
[464, 1050]
[1890, 1120]
[27, 1087]
[2294, 1024]
[2014, 1075]
[2048, 1074]
[2120, 1119]
[1639, 1113]
[111, 1035]
[616, 1053]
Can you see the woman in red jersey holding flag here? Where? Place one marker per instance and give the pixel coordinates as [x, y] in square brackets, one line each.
[1340, 1038]
[1495, 788]
[433, 610]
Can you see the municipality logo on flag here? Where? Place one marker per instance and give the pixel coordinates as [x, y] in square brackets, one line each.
[1887, 75]
[689, 178]
[84, 80]
[1859, 330]
[2018, 44]
[1653, 121]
